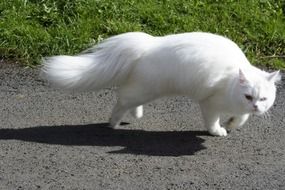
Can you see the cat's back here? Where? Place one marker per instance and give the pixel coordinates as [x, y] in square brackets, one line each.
[198, 61]
[199, 39]
[206, 48]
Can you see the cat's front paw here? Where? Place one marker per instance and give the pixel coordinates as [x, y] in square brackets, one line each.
[218, 131]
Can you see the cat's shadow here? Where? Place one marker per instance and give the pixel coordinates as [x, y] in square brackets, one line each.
[154, 143]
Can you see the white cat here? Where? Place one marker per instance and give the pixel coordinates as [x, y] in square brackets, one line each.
[210, 69]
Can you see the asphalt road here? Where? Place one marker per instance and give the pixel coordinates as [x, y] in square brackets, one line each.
[55, 140]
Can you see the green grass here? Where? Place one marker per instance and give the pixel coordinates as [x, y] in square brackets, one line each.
[31, 29]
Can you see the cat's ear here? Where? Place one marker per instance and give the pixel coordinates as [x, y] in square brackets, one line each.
[242, 78]
[274, 76]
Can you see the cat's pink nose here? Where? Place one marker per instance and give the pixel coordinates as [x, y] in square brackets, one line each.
[255, 107]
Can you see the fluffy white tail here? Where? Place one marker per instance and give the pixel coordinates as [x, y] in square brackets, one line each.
[102, 66]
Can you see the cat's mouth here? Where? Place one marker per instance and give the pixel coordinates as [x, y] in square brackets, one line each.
[258, 112]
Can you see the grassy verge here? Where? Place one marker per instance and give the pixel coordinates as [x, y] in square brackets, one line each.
[31, 29]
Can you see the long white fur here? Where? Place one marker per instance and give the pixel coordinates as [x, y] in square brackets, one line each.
[105, 65]
[208, 68]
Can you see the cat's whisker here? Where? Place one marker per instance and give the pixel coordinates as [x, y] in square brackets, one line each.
[267, 116]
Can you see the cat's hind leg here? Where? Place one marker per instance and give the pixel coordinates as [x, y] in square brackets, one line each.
[117, 114]
[137, 112]
[130, 97]
[236, 121]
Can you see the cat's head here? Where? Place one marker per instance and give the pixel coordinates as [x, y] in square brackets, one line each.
[258, 91]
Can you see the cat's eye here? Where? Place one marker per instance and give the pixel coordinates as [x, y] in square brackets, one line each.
[263, 99]
[248, 97]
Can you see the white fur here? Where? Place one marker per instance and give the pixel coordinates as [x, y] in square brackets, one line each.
[106, 64]
[208, 68]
